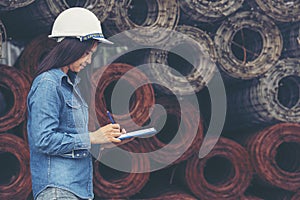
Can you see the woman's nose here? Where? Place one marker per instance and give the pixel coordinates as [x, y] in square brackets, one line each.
[89, 59]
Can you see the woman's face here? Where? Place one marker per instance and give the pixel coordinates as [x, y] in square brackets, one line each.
[86, 59]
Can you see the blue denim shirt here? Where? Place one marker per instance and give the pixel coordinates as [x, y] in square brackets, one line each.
[58, 135]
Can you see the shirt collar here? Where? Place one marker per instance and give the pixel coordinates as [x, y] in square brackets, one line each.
[72, 75]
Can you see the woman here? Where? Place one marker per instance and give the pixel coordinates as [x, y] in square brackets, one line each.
[59, 140]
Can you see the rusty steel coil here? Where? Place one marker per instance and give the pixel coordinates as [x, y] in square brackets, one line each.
[33, 54]
[7, 5]
[15, 172]
[273, 193]
[249, 197]
[177, 150]
[26, 76]
[272, 98]
[247, 45]
[115, 184]
[174, 195]
[291, 40]
[147, 14]
[209, 11]
[276, 148]
[284, 11]
[163, 194]
[296, 196]
[22, 129]
[160, 186]
[191, 54]
[225, 173]
[130, 79]
[178, 195]
[14, 87]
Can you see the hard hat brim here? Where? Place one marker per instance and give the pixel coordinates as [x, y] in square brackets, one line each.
[103, 40]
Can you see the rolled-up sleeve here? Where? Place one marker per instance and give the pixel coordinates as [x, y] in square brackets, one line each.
[45, 102]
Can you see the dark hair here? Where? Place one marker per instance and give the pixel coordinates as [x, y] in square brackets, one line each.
[64, 53]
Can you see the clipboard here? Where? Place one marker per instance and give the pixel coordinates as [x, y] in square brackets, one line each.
[138, 133]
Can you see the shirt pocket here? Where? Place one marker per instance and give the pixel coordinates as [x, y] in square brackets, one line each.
[75, 114]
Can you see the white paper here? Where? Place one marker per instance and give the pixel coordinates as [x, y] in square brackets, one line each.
[138, 133]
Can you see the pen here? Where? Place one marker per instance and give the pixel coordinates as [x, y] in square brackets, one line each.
[110, 117]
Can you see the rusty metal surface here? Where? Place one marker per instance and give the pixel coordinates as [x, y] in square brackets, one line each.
[230, 161]
[114, 184]
[274, 153]
[33, 53]
[18, 84]
[174, 152]
[143, 100]
[16, 184]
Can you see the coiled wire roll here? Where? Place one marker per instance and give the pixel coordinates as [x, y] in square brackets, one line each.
[7, 5]
[148, 14]
[247, 45]
[296, 196]
[22, 130]
[193, 45]
[114, 184]
[209, 11]
[249, 197]
[175, 152]
[272, 98]
[141, 101]
[160, 188]
[15, 173]
[285, 11]
[33, 54]
[225, 173]
[178, 195]
[14, 87]
[265, 192]
[274, 153]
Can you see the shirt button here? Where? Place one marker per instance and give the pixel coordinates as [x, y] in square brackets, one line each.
[77, 155]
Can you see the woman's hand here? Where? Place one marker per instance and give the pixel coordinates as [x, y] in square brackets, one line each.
[106, 134]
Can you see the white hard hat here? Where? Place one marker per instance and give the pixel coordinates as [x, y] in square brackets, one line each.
[78, 22]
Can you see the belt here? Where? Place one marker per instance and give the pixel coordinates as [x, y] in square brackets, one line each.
[81, 153]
